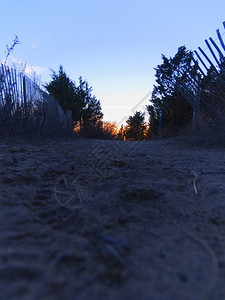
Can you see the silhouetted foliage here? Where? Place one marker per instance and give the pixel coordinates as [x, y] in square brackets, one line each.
[153, 121]
[90, 115]
[63, 89]
[176, 112]
[109, 130]
[86, 109]
[213, 94]
[135, 128]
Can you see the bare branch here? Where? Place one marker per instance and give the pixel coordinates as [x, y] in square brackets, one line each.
[10, 48]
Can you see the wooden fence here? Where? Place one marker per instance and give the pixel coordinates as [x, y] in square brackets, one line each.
[26, 109]
[214, 58]
[207, 94]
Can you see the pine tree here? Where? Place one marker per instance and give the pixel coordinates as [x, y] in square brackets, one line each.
[86, 109]
[176, 112]
[135, 128]
[62, 88]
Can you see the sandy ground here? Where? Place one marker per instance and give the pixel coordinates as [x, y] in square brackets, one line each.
[112, 220]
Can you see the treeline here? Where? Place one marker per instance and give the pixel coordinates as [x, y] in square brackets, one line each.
[87, 113]
[169, 109]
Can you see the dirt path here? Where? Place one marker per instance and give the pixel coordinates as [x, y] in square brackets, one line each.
[112, 220]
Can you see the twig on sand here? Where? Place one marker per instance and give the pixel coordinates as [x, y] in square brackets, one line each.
[111, 240]
[113, 251]
[196, 177]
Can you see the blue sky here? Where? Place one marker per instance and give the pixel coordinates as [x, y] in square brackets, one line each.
[114, 44]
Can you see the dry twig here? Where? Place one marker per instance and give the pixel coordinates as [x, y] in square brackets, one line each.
[113, 251]
[196, 177]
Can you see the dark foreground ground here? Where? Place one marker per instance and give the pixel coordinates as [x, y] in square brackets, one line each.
[112, 220]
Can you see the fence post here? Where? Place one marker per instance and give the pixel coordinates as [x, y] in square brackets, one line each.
[25, 102]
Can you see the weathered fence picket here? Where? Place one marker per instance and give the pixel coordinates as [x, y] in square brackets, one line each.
[210, 100]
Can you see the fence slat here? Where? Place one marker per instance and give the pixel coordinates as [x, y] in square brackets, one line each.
[217, 48]
[210, 62]
[199, 57]
[213, 54]
[220, 39]
[209, 98]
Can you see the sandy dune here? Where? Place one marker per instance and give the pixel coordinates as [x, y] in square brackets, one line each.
[112, 220]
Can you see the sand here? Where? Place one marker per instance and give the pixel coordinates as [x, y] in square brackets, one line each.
[112, 220]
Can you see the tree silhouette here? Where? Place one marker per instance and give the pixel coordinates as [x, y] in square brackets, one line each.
[135, 128]
[153, 121]
[62, 88]
[176, 112]
[86, 109]
[91, 115]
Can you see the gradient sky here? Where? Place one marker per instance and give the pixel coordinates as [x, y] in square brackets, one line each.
[114, 44]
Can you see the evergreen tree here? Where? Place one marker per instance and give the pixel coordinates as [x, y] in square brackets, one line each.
[91, 114]
[176, 112]
[86, 109]
[135, 128]
[63, 89]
